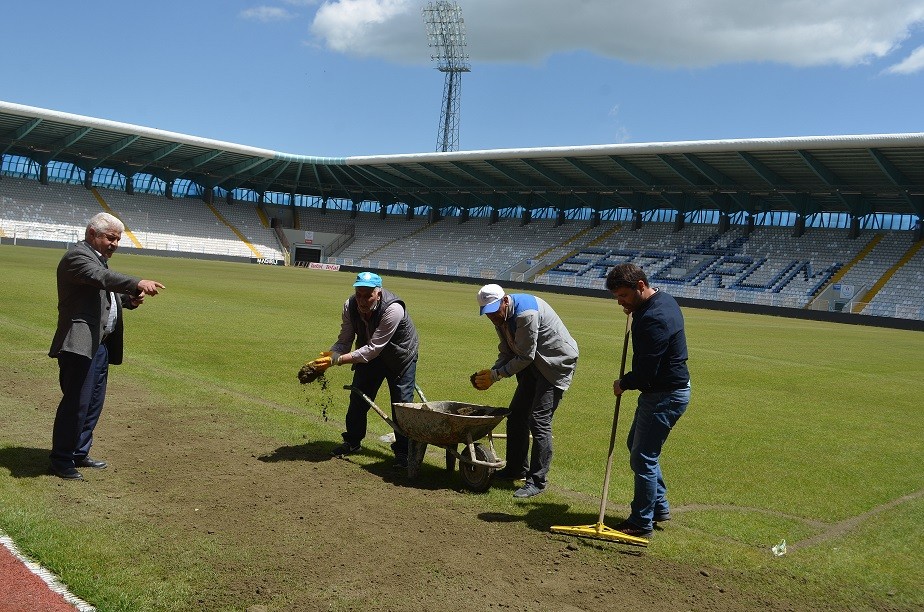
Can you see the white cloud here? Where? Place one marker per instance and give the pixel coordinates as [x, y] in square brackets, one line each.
[266, 14]
[383, 28]
[911, 64]
[676, 33]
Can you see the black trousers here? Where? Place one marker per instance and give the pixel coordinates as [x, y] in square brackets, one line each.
[531, 410]
[83, 384]
[368, 377]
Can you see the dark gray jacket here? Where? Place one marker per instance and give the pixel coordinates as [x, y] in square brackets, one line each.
[84, 283]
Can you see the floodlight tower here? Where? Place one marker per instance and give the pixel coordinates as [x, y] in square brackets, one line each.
[446, 34]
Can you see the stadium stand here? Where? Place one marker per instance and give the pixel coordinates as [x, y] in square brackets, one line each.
[59, 212]
[30, 210]
[373, 233]
[475, 244]
[612, 203]
[766, 266]
[903, 295]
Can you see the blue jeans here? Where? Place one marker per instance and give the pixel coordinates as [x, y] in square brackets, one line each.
[656, 414]
[368, 377]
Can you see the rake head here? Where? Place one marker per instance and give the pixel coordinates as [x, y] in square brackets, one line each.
[599, 531]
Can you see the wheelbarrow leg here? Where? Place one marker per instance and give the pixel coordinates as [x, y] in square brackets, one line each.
[451, 457]
[415, 455]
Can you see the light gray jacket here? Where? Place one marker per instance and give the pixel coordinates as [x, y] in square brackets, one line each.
[539, 337]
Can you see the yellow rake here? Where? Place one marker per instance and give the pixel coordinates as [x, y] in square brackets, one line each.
[598, 530]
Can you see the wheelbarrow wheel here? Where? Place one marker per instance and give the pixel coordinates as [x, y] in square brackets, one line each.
[477, 478]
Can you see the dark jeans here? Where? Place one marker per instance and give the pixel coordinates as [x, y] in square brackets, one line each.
[368, 377]
[531, 410]
[656, 415]
[83, 383]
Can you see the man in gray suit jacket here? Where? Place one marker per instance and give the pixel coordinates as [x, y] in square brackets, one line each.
[88, 338]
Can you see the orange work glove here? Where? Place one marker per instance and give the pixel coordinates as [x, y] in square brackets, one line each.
[483, 380]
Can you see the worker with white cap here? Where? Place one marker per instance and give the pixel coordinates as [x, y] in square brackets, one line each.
[535, 346]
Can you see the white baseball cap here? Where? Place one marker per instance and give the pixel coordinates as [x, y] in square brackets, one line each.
[489, 298]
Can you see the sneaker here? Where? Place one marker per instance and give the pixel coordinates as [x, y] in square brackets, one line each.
[631, 529]
[662, 518]
[344, 449]
[400, 462]
[527, 490]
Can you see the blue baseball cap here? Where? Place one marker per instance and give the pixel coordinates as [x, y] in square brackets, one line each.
[368, 279]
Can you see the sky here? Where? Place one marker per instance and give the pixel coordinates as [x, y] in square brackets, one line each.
[338, 78]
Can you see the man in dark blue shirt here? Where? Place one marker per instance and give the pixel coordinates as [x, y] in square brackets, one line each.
[659, 372]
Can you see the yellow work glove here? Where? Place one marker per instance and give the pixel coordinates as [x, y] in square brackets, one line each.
[320, 364]
[482, 380]
[334, 357]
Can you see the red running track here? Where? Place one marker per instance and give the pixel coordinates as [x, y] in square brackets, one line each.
[23, 591]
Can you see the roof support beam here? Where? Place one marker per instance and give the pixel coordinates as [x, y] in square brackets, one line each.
[898, 177]
[518, 178]
[421, 180]
[774, 181]
[602, 179]
[21, 132]
[242, 173]
[410, 188]
[646, 179]
[493, 193]
[556, 179]
[64, 143]
[830, 179]
[114, 148]
[724, 183]
[693, 179]
[154, 157]
[822, 171]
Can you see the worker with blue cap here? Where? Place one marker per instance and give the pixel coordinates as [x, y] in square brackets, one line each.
[385, 349]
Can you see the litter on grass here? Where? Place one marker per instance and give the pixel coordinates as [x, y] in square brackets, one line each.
[779, 549]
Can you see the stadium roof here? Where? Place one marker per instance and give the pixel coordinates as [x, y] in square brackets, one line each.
[860, 175]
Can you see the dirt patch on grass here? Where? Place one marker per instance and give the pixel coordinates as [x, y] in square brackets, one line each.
[287, 527]
[296, 529]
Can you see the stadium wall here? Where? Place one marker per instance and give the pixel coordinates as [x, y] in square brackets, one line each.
[796, 313]
[776, 311]
[66, 245]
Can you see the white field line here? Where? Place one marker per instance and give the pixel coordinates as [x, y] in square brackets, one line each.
[47, 577]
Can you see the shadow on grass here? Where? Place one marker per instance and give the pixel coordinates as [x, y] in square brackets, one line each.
[24, 462]
[429, 477]
[542, 516]
[310, 451]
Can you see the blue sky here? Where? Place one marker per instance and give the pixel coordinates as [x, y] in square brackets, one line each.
[354, 77]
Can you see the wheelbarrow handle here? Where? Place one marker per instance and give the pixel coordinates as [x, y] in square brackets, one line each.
[372, 405]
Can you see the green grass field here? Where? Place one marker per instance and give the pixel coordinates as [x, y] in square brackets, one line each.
[798, 430]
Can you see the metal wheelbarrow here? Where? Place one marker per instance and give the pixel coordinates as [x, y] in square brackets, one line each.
[447, 424]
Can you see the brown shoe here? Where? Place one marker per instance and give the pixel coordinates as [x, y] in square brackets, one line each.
[633, 530]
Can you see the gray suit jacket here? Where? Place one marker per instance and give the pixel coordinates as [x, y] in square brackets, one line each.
[84, 283]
